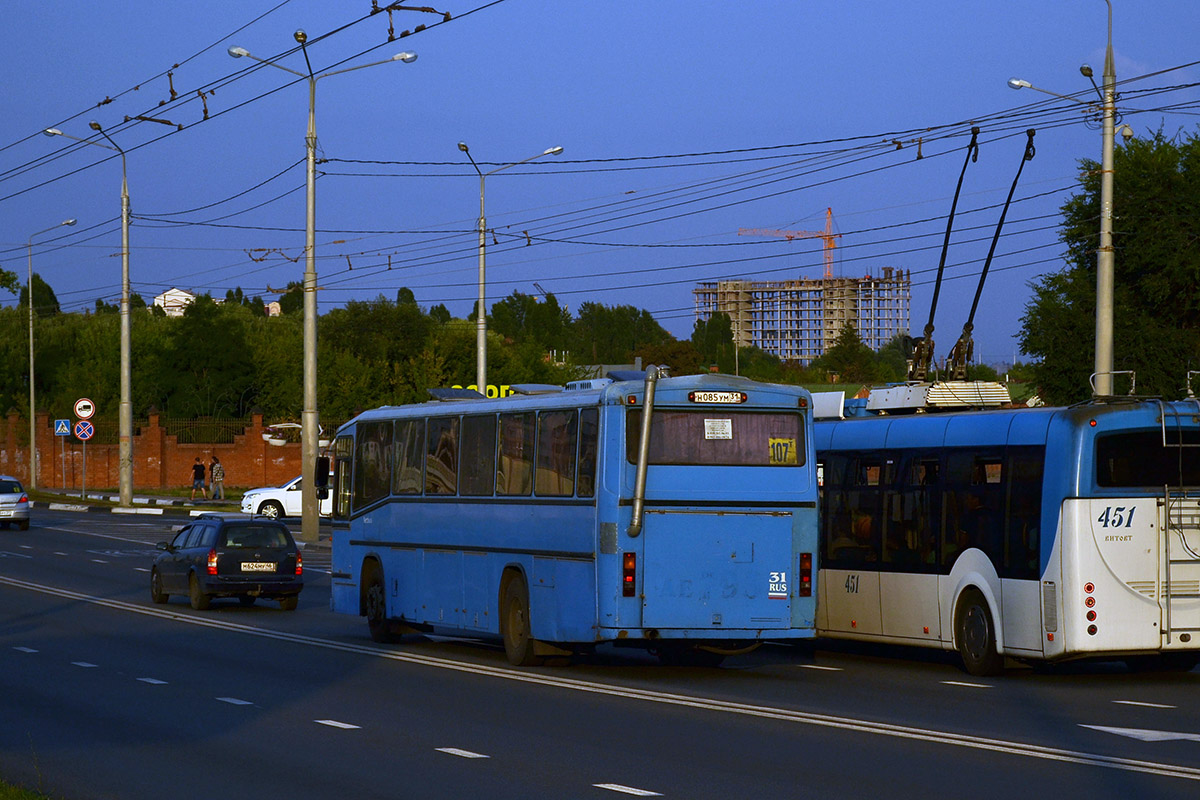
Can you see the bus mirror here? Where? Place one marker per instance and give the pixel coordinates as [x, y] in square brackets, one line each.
[322, 478]
[323, 493]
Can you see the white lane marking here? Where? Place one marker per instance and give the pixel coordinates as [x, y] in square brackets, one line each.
[616, 787]
[819, 666]
[1147, 735]
[99, 561]
[25, 546]
[83, 664]
[153, 681]
[25, 649]
[141, 569]
[333, 723]
[58, 553]
[1005, 746]
[968, 685]
[233, 701]
[1143, 705]
[454, 751]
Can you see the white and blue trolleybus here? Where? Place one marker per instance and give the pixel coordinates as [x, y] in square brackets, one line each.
[1039, 534]
[553, 521]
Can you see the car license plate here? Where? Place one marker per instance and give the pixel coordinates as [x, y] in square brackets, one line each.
[257, 566]
[5, 513]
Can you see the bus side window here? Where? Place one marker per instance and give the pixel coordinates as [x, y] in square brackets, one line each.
[589, 441]
[974, 496]
[408, 447]
[856, 537]
[441, 456]
[514, 469]
[914, 515]
[373, 478]
[478, 456]
[556, 444]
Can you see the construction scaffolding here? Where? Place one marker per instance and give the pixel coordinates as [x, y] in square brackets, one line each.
[799, 320]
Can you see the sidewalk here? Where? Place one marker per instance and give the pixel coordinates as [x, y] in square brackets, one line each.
[142, 503]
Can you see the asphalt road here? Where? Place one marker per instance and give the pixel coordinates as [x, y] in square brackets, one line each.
[103, 694]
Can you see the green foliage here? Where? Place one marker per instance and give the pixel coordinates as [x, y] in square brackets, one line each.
[850, 360]
[1156, 304]
[611, 335]
[9, 281]
[45, 303]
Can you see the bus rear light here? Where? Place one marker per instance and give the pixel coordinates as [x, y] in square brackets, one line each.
[299, 563]
[631, 400]
[629, 575]
[805, 575]
[1092, 630]
[1089, 587]
[212, 561]
[1091, 616]
[1049, 637]
[1089, 601]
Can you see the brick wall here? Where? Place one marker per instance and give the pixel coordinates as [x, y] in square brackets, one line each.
[159, 460]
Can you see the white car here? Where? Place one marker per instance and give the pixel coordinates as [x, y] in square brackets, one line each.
[14, 503]
[277, 502]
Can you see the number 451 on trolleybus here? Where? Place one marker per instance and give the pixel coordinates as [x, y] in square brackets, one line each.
[1041, 534]
[549, 521]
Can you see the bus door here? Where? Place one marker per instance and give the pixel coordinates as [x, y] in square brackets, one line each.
[852, 542]
[717, 569]
[908, 581]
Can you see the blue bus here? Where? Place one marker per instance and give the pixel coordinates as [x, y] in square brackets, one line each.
[1044, 534]
[553, 521]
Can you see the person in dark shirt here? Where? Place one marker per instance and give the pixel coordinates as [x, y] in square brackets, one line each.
[198, 479]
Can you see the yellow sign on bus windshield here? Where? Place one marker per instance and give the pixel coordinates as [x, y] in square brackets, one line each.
[783, 451]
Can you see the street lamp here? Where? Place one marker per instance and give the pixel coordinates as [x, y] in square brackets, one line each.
[310, 520]
[481, 316]
[1104, 255]
[125, 412]
[33, 478]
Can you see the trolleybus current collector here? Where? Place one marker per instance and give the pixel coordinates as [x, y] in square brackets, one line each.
[547, 519]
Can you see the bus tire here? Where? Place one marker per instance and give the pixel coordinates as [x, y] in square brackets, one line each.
[975, 635]
[375, 606]
[518, 638]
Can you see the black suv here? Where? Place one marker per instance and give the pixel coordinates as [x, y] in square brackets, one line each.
[229, 556]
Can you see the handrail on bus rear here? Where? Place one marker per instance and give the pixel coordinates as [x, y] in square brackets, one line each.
[639, 486]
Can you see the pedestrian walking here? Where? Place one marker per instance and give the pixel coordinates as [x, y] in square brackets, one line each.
[216, 479]
[198, 479]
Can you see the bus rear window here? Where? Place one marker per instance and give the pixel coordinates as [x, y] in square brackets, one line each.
[719, 437]
[1139, 459]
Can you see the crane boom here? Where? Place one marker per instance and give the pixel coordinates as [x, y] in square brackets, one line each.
[828, 236]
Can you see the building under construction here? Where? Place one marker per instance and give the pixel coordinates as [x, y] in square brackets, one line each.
[799, 320]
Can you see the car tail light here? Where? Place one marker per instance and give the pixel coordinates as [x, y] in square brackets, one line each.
[24, 499]
[806, 575]
[299, 564]
[212, 561]
[628, 574]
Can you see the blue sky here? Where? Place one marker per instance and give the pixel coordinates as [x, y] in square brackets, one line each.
[681, 122]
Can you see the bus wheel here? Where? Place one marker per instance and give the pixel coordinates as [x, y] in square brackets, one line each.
[376, 603]
[518, 640]
[975, 635]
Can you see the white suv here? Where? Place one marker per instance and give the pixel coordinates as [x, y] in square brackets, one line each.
[277, 502]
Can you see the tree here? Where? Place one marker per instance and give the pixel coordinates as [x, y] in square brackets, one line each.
[1156, 303]
[849, 358]
[45, 303]
[292, 301]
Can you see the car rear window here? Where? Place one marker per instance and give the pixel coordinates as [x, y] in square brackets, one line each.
[10, 487]
[250, 536]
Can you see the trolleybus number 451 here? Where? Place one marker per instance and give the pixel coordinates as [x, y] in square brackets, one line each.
[1115, 517]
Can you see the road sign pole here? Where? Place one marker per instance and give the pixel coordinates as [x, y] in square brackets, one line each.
[62, 455]
[83, 481]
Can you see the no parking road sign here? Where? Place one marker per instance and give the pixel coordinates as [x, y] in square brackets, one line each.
[84, 430]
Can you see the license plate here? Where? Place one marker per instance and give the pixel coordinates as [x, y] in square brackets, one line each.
[717, 397]
[5, 513]
[257, 566]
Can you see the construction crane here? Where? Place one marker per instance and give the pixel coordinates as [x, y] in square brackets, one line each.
[830, 238]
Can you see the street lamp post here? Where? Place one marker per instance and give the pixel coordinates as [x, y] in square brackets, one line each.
[33, 476]
[481, 316]
[125, 412]
[310, 520]
[1105, 261]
